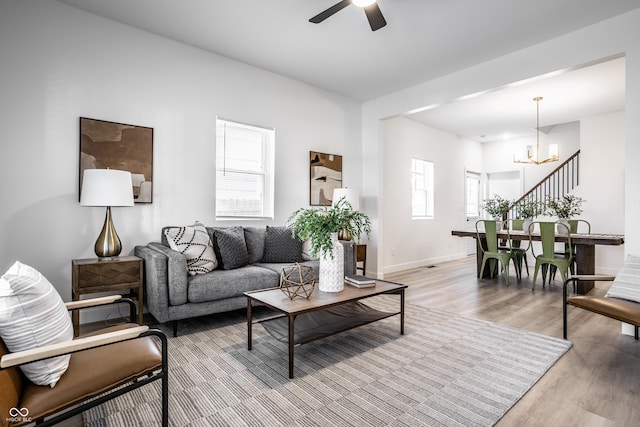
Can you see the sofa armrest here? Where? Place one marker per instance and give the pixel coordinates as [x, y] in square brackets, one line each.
[349, 257]
[177, 273]
[165, 279]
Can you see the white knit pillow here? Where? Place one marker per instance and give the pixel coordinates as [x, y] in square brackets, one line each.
[32, 314]
[627, 282]
[194, 243]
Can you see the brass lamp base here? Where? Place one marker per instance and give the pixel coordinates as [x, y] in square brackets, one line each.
[108, 244]
[344, 235]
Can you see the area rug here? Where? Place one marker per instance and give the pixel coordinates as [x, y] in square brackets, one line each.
[446, 370]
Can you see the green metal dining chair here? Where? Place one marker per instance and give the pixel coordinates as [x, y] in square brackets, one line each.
[548, 257]
[581, 226]
[492, 253]
[516, 246]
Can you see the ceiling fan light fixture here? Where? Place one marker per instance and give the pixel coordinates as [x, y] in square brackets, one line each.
[363, 3]
[370, 8]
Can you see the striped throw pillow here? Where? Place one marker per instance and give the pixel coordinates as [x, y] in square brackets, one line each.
[194, 243]
[627, 282]
[32, 314]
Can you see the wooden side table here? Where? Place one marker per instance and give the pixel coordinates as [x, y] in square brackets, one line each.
[92, 275]
[361, 256]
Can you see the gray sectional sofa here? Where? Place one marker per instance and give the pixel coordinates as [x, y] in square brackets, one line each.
[172, 293]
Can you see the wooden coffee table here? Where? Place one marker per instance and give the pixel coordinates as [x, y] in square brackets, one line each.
[322, 315]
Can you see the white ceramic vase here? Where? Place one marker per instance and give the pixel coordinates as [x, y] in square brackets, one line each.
[332, 268]
[525, 225]
[560, 229]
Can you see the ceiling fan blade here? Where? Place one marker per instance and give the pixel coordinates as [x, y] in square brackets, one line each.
[374, 15]
[327, 13]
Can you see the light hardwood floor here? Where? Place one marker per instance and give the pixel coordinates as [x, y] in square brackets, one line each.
[596, 383]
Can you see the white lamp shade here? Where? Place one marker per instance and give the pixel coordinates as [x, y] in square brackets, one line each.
[349, 195]
[106, 187]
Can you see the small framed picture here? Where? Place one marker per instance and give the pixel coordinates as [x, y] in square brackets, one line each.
[326, 175]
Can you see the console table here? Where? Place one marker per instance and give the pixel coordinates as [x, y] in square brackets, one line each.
[361, 256]
[93, 275]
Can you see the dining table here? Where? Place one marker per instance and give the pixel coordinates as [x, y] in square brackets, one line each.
[585, 248]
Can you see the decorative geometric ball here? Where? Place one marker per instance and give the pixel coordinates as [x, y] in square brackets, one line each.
[297, 281]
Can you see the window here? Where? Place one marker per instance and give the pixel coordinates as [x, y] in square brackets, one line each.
[472, 196]
[422, 200]
[244, 170]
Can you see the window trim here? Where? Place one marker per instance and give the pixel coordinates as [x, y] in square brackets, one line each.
[268, 171]
[429, 190]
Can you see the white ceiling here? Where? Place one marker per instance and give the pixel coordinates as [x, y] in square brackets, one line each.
[423, 39]
[510, 112]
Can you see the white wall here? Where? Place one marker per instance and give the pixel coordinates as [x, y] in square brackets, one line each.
[413, 243]
[498, 155]
[603, 40]
[602, 183]
[410, 243]
[59, 63]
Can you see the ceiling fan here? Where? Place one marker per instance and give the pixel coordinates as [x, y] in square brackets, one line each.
[371, 8]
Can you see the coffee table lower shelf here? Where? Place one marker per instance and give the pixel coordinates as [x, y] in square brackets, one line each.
[323, 323]
[323, 314]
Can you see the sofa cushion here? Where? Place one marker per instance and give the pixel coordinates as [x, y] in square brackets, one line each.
[32, 315]
[281, 246]
[230, 245]
[194, 243]
[627, 282]
[221, 284]
[277, 267]
[254, 238]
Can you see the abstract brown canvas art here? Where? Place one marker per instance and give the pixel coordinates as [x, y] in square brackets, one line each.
[108, 145]
[326, 175]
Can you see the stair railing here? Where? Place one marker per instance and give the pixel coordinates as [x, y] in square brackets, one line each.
[560, 182]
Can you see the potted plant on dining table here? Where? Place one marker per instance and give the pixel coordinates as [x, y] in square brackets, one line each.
[498, 207]
[527, 210]
[564, 208]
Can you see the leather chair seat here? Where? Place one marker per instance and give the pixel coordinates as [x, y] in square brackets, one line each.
[93, 372]
[619, 309]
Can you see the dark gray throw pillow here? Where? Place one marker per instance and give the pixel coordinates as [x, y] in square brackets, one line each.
[230, 247]
[280, 246]
[254, 238]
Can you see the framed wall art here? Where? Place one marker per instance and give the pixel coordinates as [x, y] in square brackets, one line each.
[108, 145]
[326, 175]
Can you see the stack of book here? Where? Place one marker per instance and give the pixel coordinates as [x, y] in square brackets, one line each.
[359, 281]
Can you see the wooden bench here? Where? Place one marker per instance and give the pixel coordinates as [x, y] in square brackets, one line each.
[620, 309]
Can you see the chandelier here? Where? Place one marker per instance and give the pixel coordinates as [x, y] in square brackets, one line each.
[532, 156]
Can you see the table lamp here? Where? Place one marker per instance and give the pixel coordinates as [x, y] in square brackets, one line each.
[350, 196]
[107, 187]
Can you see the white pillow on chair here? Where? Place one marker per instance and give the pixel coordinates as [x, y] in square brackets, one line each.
[627, 282]
[32, 314]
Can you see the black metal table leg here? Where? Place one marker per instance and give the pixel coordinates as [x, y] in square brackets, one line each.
[249, 323]
[292, 319]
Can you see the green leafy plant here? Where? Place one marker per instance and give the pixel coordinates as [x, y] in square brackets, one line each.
[528, 209]
[317, 224]
[565, 207]
[497, 206]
